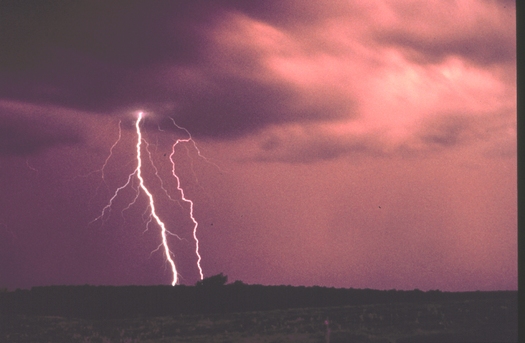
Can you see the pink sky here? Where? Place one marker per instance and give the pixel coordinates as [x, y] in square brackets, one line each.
[353, 144]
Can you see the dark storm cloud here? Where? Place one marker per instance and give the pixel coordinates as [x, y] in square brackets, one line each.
[288, 13]
[131, 33]
[27, 136]
[224, 69]
[103, 57]
[82, 54]
[235, 106]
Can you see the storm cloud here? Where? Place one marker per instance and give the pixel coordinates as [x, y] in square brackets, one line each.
[230, 69]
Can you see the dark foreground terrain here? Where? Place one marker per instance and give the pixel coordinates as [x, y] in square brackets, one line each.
[252, 313]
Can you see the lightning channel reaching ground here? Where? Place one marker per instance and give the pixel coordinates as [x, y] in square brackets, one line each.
[183, 197]
[181, 190]
[151, 211]
[161, 224]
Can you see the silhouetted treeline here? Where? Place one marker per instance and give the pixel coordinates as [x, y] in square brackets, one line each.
[102, 302]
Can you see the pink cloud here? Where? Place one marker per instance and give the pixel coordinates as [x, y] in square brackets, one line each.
[371, 88]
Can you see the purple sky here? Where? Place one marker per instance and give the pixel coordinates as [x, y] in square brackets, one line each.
[347, 143]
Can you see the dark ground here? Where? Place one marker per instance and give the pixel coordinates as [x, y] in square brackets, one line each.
[276, 314]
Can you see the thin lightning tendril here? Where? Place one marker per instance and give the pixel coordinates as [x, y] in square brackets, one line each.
[111, 151]
[30, 166]
[110, 203]
[179, 188]
[183, 197]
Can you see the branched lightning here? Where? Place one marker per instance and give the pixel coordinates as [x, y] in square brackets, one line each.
[110, 203]
[151, 211]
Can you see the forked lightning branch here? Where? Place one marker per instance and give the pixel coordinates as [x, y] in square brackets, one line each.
[138, 174]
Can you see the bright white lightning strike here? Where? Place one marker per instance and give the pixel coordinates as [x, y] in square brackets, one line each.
[195, 223]
[151, 208]
[167, 251]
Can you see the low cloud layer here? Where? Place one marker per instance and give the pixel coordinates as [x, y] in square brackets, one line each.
[28, 130]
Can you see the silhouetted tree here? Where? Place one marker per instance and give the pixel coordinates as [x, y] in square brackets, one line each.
[213, 281]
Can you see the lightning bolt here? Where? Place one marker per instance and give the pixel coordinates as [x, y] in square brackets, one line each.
[151, 208]
[160, 223]
[183, 197]
[181, 190]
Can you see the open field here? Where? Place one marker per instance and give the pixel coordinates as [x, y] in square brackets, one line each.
[487, 320]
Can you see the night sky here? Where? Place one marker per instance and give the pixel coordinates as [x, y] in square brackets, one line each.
[360, 144]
